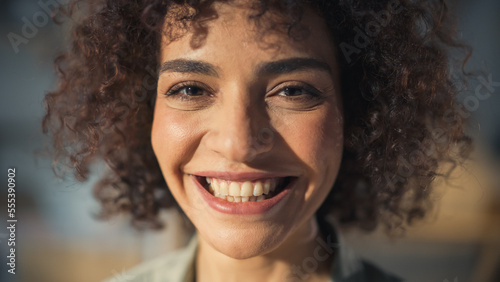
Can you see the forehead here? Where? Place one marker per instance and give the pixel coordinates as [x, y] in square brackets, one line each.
[228, 32]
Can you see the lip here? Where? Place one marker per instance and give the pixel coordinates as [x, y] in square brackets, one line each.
[241, 208]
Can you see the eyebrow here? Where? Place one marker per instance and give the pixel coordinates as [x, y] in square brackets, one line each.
[188, 66]
[291, 65]
[266, 69]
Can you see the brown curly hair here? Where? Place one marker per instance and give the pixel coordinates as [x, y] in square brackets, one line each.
[401, 116]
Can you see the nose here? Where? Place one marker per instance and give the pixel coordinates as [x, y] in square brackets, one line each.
[240, 130]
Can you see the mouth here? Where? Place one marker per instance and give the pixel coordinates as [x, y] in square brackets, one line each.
[244, 191]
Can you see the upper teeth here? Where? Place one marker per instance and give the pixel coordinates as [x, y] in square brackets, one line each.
[244, 189]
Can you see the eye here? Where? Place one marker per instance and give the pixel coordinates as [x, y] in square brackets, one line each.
[187, 90]
[190, 90]
[296, 90]
[293, 91]
[295, 96]
[189, 96]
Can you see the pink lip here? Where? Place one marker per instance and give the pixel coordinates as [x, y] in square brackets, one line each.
[245, 208]
[240, 176]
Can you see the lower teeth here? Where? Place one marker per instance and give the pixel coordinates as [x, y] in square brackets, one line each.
[238, 199]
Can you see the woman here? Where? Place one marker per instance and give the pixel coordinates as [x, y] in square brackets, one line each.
[264, 119]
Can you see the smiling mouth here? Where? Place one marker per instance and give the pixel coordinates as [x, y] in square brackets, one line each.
[244, 191]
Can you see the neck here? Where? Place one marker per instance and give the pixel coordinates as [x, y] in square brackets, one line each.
[296, 259]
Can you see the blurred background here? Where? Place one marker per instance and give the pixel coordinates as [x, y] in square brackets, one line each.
[58, 239]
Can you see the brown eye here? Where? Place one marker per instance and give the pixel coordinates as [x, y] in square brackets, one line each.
[298, 91]
[295, 96]
[190, 96]
[186, 90]
[191, 91]
[293, 91]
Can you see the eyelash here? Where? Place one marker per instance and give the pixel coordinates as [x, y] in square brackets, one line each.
[310, 91]
[176, 89]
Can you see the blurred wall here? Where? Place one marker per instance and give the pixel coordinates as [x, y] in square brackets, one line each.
[57, 237]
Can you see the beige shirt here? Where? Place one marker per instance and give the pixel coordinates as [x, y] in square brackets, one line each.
[178, 266]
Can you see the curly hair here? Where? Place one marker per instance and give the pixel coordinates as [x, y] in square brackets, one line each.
[401, 116]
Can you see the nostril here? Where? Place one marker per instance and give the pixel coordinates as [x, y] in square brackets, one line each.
[240, 150]
[266, 135]
[240, 143]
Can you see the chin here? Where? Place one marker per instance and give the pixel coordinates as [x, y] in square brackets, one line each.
[245, 244]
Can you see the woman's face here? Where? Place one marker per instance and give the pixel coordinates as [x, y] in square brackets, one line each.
[248, 130]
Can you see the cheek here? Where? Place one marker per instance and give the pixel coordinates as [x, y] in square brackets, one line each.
[318, 140]
[170, 136]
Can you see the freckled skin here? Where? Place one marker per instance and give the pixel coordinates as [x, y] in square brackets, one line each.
[219, 131]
